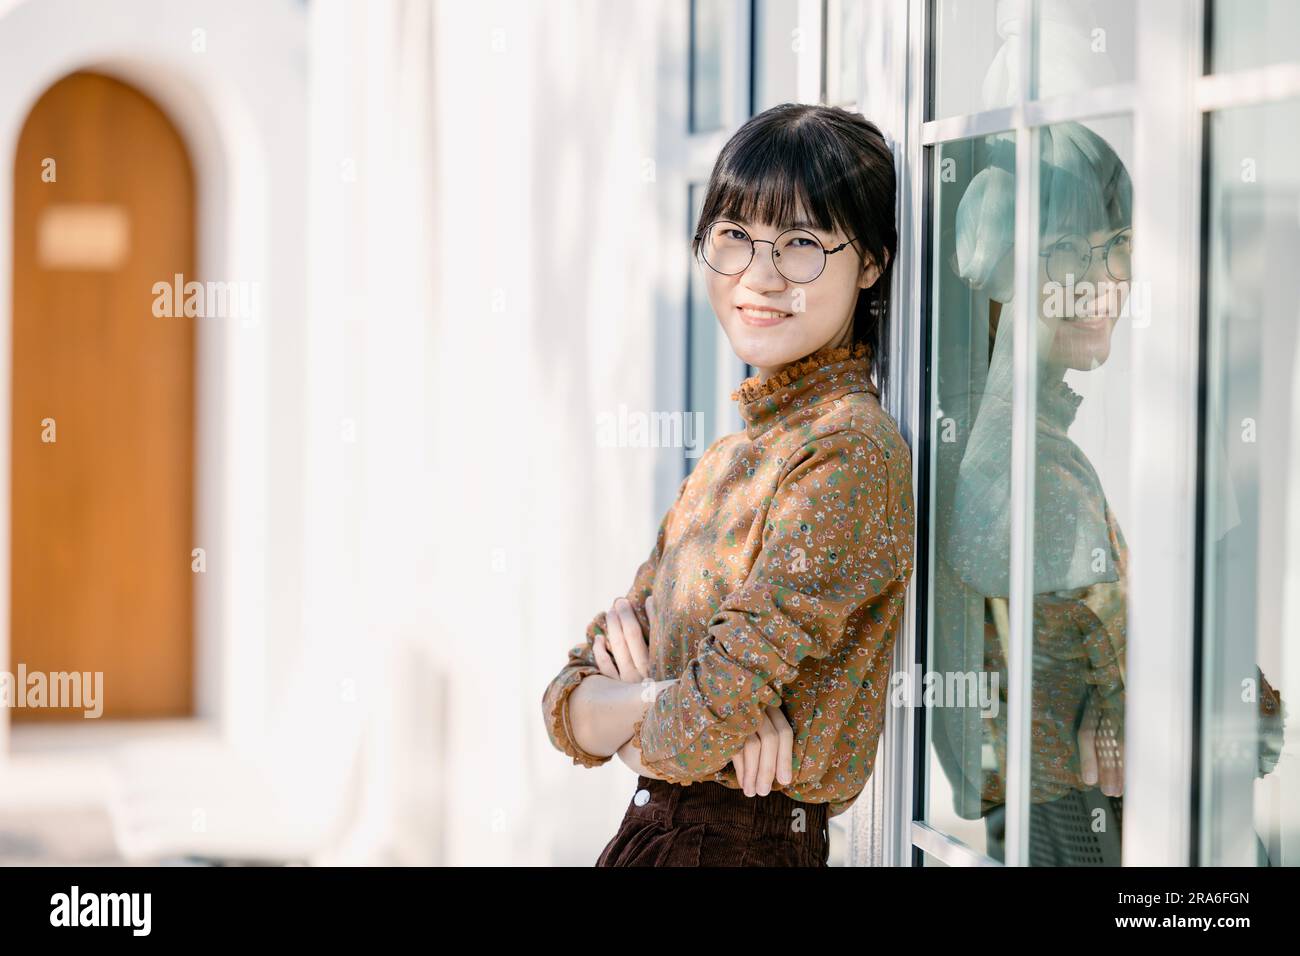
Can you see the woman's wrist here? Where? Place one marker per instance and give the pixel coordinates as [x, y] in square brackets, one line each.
[603, 711]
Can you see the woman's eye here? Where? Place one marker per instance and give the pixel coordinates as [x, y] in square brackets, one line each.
[1122, 242]
[735, 234]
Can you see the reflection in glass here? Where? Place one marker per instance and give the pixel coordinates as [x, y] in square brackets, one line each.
[1080, 561]
[1078, 552]
[1250, 772]
[973, 278]
[1253, 33]
[968, 37]
[1083, 44]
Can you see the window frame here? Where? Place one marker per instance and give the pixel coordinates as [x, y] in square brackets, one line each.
[1170, 105]
[1163, 537]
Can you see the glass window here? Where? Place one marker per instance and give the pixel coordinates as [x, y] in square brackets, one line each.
[1250, 773]
[1086, 318]
[1083, 44]
[963, 694]
[711, 68]
[972, 69]
[1253, 33]
[844, 39]
[779, 45]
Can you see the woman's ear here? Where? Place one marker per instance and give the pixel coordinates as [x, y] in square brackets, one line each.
[871, 271]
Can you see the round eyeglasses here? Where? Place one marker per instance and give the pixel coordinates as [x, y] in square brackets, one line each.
[796, 253]
[1071, 256]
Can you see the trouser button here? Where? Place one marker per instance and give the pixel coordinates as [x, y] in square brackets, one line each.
[642, 798]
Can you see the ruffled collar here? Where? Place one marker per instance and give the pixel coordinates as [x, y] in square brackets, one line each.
[825, 374]
[1057, 402]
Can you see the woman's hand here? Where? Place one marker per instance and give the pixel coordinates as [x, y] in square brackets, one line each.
[630, 752]
[1101, 748]
[766, 751]
[767, 755]
[622, 653]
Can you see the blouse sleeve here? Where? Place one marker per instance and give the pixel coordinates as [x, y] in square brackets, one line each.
[582, 660]
[1103, 618]
[830, 546]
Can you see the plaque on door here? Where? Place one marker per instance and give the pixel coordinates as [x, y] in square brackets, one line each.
[84, 236]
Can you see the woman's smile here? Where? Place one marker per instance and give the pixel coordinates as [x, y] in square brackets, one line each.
[752, 315]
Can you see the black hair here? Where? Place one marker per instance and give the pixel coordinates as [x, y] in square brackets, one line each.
[1083, 185]
[832, 164]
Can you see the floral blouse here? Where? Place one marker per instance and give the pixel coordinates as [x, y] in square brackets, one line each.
[779, 576]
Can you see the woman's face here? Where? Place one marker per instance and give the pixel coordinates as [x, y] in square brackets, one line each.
[771, 321]
[1081, 319]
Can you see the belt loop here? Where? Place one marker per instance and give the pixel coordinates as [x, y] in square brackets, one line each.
[674, 793]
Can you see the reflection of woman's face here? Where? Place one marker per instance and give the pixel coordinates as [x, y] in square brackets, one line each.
[1081, 326]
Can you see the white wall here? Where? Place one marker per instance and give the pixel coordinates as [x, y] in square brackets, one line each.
[543, 170]
[473, 528]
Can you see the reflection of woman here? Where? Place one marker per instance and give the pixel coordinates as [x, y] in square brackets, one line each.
[1077, 707]
[1076, 746]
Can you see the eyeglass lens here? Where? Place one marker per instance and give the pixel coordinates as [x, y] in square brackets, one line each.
[1071, 256]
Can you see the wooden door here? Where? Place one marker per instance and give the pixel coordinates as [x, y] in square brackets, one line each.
[102, 438]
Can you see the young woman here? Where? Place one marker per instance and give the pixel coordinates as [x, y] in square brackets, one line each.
[744, 674]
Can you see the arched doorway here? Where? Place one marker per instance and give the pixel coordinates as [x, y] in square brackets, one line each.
[102, 418]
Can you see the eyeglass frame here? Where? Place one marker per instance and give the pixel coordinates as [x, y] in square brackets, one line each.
[699, 236]
[1088, 264]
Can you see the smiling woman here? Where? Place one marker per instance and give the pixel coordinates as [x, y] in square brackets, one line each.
[775, 242]
[744, 675]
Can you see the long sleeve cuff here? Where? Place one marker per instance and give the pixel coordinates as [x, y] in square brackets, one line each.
[555, 705]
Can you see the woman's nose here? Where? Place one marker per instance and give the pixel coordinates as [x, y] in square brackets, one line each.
[762, 272]
[1097, 268]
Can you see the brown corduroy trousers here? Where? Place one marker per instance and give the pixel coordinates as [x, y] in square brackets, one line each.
[707, 824]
